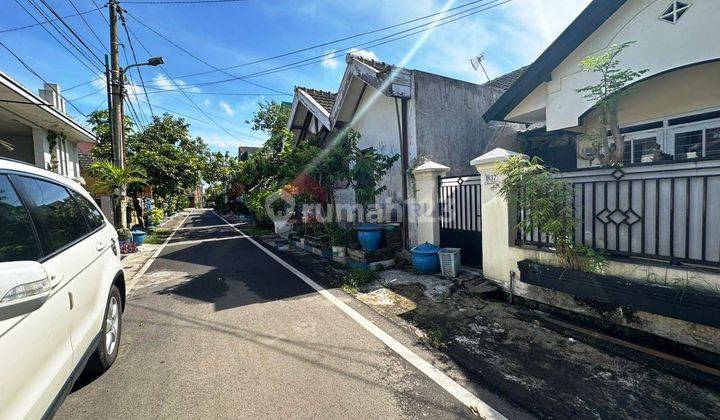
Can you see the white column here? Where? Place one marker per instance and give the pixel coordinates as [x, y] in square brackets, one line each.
[40, 148]
[498, 219]
[426, 207]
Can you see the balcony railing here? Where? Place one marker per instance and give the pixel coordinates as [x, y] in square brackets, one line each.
[666, 211]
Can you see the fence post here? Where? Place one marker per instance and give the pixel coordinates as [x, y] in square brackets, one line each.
[427, 181]
[498, 219]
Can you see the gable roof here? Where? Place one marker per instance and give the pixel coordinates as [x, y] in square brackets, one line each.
[324, 98]
[539, 71]
[377, 65]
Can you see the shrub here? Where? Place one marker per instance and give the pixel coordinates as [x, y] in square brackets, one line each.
[547, 203]
[359, 278]
[156, 216]
[338, 235]
[124, 234]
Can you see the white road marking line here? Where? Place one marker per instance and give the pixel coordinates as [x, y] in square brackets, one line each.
[149, 262]
[201, 227]
[453, 388]
[199, 241]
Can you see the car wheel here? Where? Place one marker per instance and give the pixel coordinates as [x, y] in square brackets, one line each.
[107, 349]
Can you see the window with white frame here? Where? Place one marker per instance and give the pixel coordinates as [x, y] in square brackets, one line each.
[675, 11]
[695, 140]
[642, 148]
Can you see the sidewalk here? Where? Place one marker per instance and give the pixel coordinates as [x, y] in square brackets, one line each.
[132, 263]
[508, 350]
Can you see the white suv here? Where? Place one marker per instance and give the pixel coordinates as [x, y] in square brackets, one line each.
[62, 289]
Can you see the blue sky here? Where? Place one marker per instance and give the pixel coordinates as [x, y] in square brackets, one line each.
[227, 34]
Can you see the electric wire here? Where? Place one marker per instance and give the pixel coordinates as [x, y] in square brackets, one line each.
[62, 44]
[139, 73]
[186, 51]
[39, 23]
[320, 58]
[36, 74]
[72, 31]
[335, 41]
[178, 87]
[97, 37]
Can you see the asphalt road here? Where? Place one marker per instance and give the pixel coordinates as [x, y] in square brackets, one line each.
[218, 329]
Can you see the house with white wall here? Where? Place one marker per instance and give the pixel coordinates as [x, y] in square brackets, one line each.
[27, 121]
[656, 216]
[411, 113]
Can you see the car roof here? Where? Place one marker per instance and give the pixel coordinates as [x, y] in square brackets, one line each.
[7, 164]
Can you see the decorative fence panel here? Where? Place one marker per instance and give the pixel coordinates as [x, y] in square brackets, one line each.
[460, 218]
[662, 211]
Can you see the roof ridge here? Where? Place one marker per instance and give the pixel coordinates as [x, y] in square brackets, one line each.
[370, 61]
[309, 89]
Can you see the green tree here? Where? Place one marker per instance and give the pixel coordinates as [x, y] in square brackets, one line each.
[606, 94]
[173, 160]
[100, 126]
[271, 118]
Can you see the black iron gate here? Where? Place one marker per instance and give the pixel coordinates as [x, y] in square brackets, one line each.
[460, 218]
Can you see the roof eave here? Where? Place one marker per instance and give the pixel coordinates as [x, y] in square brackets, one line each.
[539, 71]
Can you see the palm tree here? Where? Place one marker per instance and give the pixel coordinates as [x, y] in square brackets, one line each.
[114, 179]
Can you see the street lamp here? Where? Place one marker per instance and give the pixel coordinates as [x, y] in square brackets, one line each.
[154, 61]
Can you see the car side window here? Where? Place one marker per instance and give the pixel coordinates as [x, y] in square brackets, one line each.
[54, 211]
[17, 238]
[91, 212]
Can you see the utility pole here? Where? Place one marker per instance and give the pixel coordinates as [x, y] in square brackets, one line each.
[116, 117]
[116, 111]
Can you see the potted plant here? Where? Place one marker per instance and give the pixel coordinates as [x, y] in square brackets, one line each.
[124, 235]
[368, 169]
[338, 239]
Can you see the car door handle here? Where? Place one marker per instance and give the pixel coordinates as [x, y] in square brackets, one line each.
[100, 246]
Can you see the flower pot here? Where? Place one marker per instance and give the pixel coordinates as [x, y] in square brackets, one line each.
[138, 237]
[339, 251]
[425, 258]
[369, 237]
[687, 305]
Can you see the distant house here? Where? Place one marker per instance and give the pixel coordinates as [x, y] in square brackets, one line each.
[38, 129]
[245, 151]
[411, 113]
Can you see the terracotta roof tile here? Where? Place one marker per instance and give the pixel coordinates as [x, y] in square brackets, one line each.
[324, 98]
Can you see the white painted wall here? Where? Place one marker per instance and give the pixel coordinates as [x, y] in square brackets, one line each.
[659, 47]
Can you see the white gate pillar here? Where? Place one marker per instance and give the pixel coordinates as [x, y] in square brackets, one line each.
[427, 202]
[498, 219]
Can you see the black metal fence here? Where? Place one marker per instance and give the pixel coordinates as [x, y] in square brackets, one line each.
[460, 217]
[669, 211]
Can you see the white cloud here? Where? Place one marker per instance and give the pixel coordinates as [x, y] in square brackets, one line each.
[365, 54]
[227, 108]
[207, 102]
[162, 82]
[329, 60]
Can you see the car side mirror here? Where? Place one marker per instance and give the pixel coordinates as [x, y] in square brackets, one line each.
[24, 287]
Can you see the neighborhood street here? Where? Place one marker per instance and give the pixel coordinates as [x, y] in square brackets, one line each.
[216, 329]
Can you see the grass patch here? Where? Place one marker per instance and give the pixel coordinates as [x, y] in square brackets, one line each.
[158, 236]
[357, 279]
[255, 230]
[435, 336]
